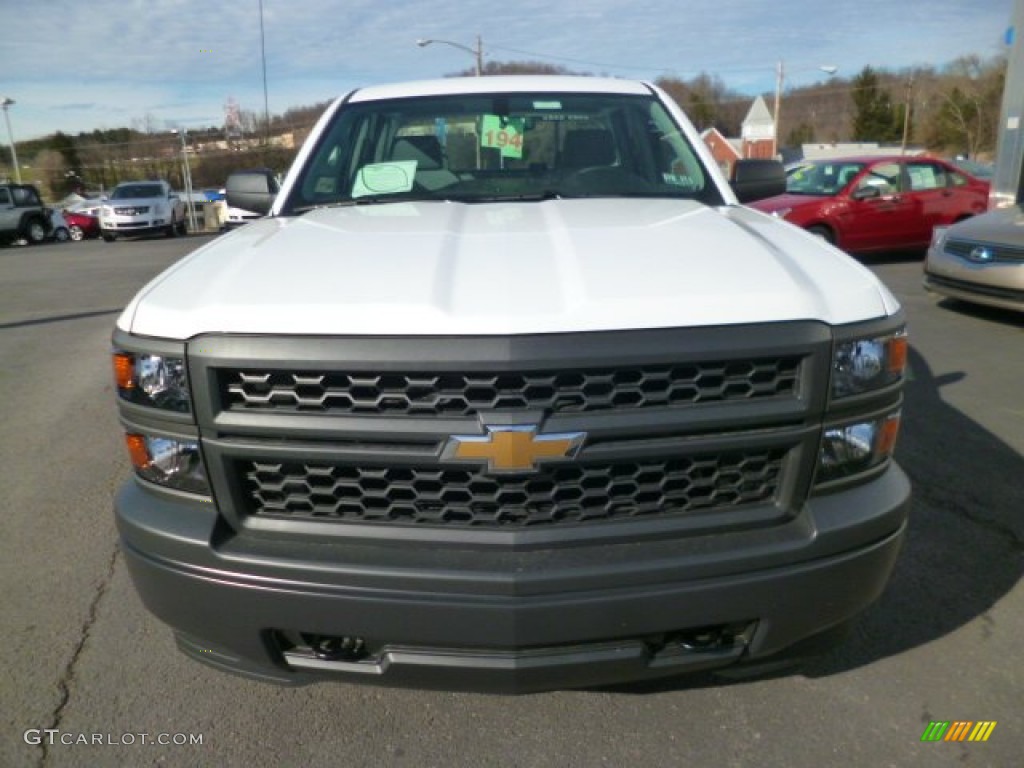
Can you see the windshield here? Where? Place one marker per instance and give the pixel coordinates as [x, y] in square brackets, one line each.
[514, 146]
[822, 178]
[136, 191]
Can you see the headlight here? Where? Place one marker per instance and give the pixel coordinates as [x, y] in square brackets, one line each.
[782, 212]
[157, 381]
[939, 237]
[855, 448]
[861, 365]
[169, 462]
[107, 210]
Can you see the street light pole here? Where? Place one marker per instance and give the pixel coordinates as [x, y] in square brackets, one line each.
[187, 181]
[477, 53]
[266, 102]
[780, 74]
[7, 101]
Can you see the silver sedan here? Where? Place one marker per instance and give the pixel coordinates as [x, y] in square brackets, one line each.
[980, 260]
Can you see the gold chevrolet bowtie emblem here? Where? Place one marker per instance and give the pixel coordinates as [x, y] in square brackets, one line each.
[512, 448]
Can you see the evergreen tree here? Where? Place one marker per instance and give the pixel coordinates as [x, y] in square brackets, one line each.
[876, 118]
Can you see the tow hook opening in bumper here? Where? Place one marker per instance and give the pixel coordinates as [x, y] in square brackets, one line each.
[716, 645]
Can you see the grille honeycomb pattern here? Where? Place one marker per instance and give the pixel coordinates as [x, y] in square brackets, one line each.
[462, 394]
[471, 498]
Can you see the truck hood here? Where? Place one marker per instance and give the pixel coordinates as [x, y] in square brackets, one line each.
[444, 268]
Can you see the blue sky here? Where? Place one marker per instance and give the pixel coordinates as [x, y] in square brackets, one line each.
[76, 65]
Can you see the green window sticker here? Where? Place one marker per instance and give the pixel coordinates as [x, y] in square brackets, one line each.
[384, 178]
[505, 134]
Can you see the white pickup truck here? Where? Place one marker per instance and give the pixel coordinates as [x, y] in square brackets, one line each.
[508, 392]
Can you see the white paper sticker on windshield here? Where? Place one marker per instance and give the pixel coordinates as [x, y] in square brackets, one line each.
[384, 178]
[547, 105]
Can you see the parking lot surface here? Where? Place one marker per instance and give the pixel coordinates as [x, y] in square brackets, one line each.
[90, 678]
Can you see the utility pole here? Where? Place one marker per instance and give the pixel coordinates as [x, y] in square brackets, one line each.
[779, 75]
[908, 93]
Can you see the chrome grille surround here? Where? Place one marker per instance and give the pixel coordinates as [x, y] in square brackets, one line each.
[1000, 251]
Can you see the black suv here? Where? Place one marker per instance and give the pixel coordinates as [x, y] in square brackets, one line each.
[22, 214]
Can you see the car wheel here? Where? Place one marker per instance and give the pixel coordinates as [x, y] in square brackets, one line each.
[61, 234]
[76, 233]
[824, 233]
[35, 232]
[109, 238]
[181, 228]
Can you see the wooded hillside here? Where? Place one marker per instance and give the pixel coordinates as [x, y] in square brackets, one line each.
[949, 110]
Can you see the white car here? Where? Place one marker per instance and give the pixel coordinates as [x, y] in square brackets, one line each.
[142, 208]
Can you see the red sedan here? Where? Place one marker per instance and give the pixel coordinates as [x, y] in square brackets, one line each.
[81, 226]
[877, 203]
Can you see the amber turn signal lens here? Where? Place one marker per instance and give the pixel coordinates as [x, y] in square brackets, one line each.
[138, 451]
[124, 370]
[898, 354]
[885, 442]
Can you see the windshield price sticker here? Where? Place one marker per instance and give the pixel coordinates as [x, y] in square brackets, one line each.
[503, 134]
[384, 178]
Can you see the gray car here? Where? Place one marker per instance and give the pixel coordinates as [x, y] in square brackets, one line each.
[980, 260]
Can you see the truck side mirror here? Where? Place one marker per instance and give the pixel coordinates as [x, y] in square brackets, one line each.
[757, 179]
[251, 191]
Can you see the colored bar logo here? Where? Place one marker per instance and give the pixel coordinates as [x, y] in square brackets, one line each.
[958, 730]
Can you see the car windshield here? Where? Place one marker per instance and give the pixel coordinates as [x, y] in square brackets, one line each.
[136, 191]
[503, 146]
[977, 170]
[822, 178]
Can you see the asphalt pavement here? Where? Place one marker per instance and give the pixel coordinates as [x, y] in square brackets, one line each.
[90, 678]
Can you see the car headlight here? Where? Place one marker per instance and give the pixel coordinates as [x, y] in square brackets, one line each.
[157, 381]
[107, 210]
[939, 237]
[169, 462]
[782, 212]
[862, 365]
[858, 447]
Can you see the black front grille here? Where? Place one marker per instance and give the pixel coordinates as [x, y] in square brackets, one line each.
[997, 251]
[579, 493]
[462, 394]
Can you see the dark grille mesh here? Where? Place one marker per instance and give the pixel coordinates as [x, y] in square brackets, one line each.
[461, 394]
[471, 498]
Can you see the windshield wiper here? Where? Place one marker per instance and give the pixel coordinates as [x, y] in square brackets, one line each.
[524, 197]
[363, 200]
